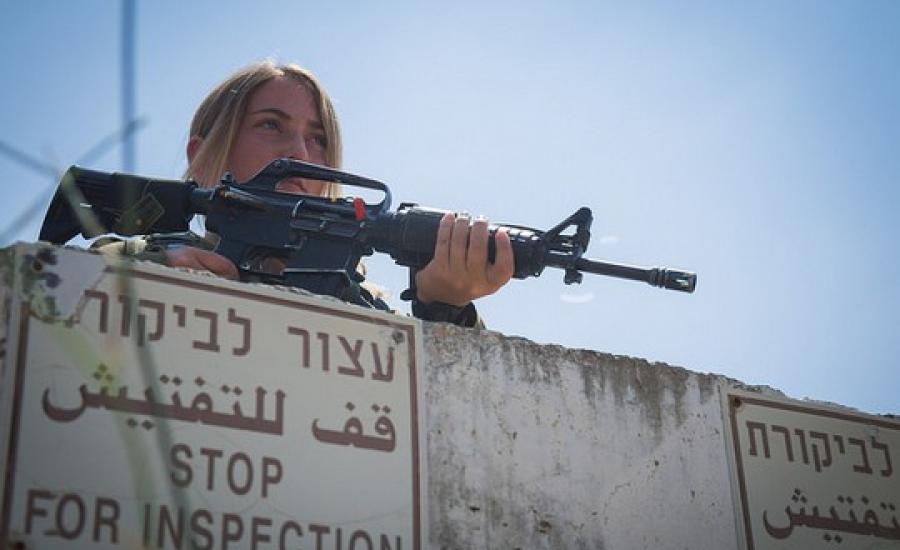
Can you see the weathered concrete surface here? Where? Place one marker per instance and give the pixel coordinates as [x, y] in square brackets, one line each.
[532, 446]
[535, 446]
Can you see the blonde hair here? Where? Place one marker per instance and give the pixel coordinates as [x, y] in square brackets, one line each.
[219, 116]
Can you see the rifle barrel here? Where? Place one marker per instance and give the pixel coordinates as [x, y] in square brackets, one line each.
[672, 279]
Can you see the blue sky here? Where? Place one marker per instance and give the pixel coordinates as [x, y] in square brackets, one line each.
[754, 143]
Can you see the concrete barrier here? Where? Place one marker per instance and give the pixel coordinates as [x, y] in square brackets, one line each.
[539, 446]
[535, 446]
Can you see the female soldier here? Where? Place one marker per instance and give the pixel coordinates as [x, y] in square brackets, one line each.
[268, 111]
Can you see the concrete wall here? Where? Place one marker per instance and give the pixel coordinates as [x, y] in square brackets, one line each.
[535, 446]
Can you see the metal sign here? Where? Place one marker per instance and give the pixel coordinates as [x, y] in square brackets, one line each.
[810, 476]
[146, 407]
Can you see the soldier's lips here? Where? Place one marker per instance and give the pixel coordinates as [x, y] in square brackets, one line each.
[294, 186]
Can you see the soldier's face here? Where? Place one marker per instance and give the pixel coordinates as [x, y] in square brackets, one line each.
[281, 121]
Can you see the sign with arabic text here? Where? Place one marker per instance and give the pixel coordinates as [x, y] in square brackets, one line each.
[812, 476]
[147, 407]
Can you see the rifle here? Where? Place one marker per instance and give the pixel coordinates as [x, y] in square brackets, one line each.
[320, 240]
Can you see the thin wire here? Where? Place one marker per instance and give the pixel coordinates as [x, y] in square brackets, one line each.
[39, 204]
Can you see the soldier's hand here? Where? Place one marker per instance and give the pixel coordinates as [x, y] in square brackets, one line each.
[460, 271]
[202, 260]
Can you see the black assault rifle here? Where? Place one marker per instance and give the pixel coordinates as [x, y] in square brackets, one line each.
[320, 240]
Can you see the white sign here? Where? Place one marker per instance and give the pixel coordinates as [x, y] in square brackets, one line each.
[814, 477]
[161, 409]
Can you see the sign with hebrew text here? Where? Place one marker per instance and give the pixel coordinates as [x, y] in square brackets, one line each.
[811, 476]
[148, 407]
